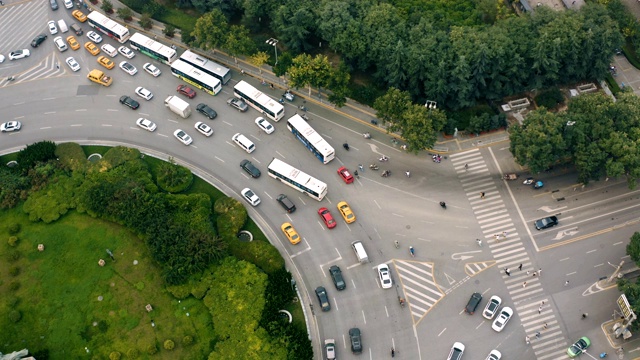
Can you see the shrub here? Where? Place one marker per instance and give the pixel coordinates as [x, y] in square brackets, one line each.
[12, 301]
[231, 217]
[132, 353]
[107, 6]
[169, 344]
[38, 152]
[550, 98]
[124, 13]
[72, 156]
[14, 229]
[14, 255]
[15, 316]
[13, 241]
[173, 178]
[139, 285]
[14, 271]
[186, 37]
[187, 340]
[114, 355]
[152, 349]
[169, 30]
[145, 21]
[14, 286]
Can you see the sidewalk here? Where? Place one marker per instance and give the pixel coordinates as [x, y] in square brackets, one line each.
[352, 109]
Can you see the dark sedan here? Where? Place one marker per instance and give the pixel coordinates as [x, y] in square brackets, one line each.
[38, 40]
[247, 166]
[127, 101]
[546, 222]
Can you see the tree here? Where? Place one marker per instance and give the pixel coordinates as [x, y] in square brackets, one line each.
[258, 59]
[391, 106]
[238, 42]
[169, 30]
[308, 71]
[125, 13]
[285, 60]
[210, 30]
[293, 22]
[633, 248]
[419, 126]
[107, 6]
[145, 21]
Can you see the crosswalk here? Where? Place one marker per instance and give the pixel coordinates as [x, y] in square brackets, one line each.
[518, 271]
[421, 291]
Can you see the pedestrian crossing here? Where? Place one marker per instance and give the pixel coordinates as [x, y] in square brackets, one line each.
[519, 273]
[421, 291]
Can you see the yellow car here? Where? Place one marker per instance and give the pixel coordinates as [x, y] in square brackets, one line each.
[290, 233]
[346, 212]
[104, 61]
[73, 43]
[92, 48]
[79, 15]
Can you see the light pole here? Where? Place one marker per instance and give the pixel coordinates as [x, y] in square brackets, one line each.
[273, 42]
[431, 105]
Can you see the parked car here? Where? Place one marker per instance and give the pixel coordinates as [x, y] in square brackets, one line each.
[473, 303]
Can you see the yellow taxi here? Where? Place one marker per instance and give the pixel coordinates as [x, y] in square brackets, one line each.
[346, 212]
[290, 233]
[79, 15]
[73, 43]
[92, 48]
[106, 62]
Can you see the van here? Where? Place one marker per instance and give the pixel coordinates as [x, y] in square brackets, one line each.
[110, 50]
[63, 26]
[243, 142]
[361, 254]
[76, 29]
[286, 203]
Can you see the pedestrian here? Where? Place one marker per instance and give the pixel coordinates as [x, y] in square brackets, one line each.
[506, 271]
[524, 284]
[534, 274]
[57, 66]
[542, 303]
[526, 339]
[242, 72]
[497, 237]
[545, 326]
[539, 271]
[479, 242]
[528, 272]
[520, 267]
[584, 316]
[566, 283]
[466, 166]
[504, 234]
[537, 334]
[482, 195]
[540, 310]
[153, 324]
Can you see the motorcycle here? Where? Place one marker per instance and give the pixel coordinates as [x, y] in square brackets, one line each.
[304, 116]
[383, 159]
[10, 78]
[408, 173]
[345, 146]
[366, 135]
[412, 251]
[374, 167]
[443, 204]
[386, 173]
[288, 95]
[302, 107]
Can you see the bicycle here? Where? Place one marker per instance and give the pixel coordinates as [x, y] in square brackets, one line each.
[479, 242]
[396, 243]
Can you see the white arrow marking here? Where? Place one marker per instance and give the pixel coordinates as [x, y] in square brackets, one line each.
[459, 256]
[550, 210]
[563, 233]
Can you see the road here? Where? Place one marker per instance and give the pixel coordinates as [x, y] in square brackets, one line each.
[55, 103]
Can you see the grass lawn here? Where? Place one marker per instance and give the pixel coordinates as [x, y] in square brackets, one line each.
[58, 294]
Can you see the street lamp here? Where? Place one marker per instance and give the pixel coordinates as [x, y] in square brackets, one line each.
[273, 42]
[431, 104]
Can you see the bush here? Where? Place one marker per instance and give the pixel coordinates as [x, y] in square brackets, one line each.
[14, 255]
[169, 30]
[114, 355]
[15, 316]
[187, 340]
[12, 301]
[14, 229]
[152, 349]
[14, 286]
[72, 156]
[186, 37]
[107, 6]
[231, 217]
[14, 271]
[124, 13]
[145, 21]
[173, 178]
[38, 152]
[132, 353]
[13, 241]
[550, 98]
[169, 344]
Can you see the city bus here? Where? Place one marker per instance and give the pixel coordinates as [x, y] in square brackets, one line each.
[259, 101]
[195, 77]
[310, 138]
[153, 49]
[109, 27]
[298, 180]
[207, 65]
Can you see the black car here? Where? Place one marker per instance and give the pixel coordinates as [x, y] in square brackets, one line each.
[473, 303]
[38, 40]
[125, 100]
[323, 298]
[247, 166]
[205, 110]
[336, 275]
[356, 340]
[546, 222]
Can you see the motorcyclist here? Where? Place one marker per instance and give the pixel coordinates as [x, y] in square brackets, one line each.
[443, 204]
[345, 146]
[412, 251]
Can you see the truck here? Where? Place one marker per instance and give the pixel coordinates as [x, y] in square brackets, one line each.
[178, 106]
[99, 77]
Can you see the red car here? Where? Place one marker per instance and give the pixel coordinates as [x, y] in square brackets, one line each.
[186, 91]
[326, 217]
[345, 175]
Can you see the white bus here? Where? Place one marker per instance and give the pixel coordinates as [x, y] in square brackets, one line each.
[259, 101]
[311, 139]
[195, 77]
[107, 26]
[298, 180]
[153, 48]
[207, 65]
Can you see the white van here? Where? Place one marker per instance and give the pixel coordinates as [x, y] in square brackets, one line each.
[361, 254]
[63, 26]
[110, 50]
[243, 142]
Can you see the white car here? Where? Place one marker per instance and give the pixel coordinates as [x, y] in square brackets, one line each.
[68, 4]
[93, 36]
[126, 52]
[385, 276]
[128, 68]
[250, 196]
[146, 124]
[2, 59]
[502, 319]
[494, 355]
[456, 351]
[204, 129]
[151, 69]
[492, 306]
[60, 44]
[144, 93]
[183, 137]
[53, 29]
[73, 64]
[10, 126]
[19, 54]
[265, 125]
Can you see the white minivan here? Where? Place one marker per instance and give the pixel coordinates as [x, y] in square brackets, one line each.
[243, 142]
[63, 26]
[361, 254]
[110, 50]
